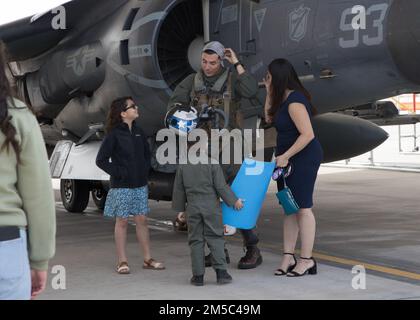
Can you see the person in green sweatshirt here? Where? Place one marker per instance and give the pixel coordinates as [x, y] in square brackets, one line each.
[27, 206]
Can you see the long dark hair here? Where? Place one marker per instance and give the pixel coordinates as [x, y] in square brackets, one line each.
[284, 76]
[6, 126]
[114, 115]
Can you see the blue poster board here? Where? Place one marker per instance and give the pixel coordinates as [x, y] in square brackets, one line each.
[251, 184]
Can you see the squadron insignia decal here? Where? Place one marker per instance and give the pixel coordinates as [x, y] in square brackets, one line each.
[78, 60]
[259, 17]
[298, 23]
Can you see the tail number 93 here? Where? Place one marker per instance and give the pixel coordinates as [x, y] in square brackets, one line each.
[356, 20]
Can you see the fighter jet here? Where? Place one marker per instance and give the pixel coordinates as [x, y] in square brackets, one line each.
[71, 62]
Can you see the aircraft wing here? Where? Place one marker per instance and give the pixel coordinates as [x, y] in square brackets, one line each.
[31, 36]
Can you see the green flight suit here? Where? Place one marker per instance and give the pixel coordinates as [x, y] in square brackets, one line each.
[243, 86]
[202, 186]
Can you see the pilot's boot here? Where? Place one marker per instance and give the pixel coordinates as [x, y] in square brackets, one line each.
[252, 258]
[208, 259]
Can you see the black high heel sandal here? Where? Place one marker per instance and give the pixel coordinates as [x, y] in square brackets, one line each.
[312, 270]
[280, 272]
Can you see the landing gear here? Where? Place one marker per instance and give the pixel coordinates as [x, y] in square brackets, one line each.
[74, 194]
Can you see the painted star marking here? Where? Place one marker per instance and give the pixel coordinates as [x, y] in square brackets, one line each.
[182, 124]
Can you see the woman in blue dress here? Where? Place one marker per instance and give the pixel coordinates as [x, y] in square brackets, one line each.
[288, 106]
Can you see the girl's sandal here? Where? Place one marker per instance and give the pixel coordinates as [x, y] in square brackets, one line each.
[122, 268]
[153, 265]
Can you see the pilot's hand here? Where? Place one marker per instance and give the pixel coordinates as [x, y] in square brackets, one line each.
[282, 161]
[267, 82]
[239, 204]
[230, 56]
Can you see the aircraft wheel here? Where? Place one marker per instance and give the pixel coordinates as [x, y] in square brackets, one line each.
[99, 197]
[74, 194]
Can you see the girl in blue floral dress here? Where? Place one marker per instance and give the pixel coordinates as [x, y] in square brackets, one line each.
[125, 156]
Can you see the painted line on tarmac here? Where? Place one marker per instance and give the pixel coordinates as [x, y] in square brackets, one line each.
[352, 263]
[368, 266]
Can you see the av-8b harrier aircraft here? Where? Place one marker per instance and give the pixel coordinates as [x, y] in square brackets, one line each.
[349, 54]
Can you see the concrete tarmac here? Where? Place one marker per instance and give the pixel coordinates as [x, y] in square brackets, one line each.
[364, 217]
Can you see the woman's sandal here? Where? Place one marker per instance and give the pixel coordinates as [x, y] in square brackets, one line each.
[280, 272]
[312, 270]
[123, 268]
[153, 265]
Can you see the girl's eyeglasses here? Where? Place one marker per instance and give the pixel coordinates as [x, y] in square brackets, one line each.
[133, 106]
